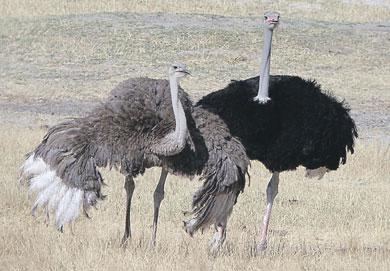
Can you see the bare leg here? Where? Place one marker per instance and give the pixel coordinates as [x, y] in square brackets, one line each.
[218, 238]
[129, 187]
[158, 196]
[272, 191]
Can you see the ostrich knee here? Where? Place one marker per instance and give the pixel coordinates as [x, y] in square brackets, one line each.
[158, 196]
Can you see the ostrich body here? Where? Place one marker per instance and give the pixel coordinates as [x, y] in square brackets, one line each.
[300, 126]
[143, 123]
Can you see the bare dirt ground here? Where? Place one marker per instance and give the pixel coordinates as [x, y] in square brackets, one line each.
[54, 67]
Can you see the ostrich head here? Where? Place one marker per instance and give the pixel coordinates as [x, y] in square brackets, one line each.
[178, 70]
[271, 20]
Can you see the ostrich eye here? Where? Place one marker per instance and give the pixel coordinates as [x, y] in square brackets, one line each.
[175, 67]
[265, 17]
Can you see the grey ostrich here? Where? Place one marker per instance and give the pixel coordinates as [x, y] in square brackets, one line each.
[143, 123]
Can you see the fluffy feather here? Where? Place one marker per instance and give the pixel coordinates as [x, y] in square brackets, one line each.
[122, 133]
[301, 125]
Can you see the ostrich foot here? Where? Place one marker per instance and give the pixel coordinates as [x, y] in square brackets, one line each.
[215, 245]
[262, 246]
[261, 99]
[152, 243]
[218, 240]
[125, 240]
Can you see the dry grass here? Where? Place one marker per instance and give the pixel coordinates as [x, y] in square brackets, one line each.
[331, 10]
[83, 57]
[338, 223]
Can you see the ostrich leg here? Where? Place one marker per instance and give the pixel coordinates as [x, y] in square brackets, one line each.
[272, 191]
[129, 187]
[158, 196]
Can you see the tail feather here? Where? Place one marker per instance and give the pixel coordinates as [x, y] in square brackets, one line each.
[316, 173]
[213, 202]
[43, 198]
[58, 194]
[69, 207]
[31, 167]
[41, 181]
[62, 174]
[53, 194]
[350, 131]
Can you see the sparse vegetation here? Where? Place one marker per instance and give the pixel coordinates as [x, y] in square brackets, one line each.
[331, 10]
[50, 66]
[338, 223]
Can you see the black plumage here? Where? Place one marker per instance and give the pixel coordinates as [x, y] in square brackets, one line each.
[301, 125]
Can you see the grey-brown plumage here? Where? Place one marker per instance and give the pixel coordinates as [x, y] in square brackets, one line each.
[129, 132]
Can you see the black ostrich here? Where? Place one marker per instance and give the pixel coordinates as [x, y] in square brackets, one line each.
[144, 123]
[298, 124]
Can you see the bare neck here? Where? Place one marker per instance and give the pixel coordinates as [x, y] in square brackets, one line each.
[263, 95]
[178, 111]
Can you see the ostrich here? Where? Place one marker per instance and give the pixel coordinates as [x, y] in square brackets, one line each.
[301, 125]
[143, 123]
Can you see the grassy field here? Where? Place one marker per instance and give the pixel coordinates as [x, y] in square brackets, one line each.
[59, 58]
[331, 10]
[338, 223]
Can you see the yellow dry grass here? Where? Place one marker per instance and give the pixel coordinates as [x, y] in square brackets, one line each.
[338, 223]
[331, 10]
[84, 57]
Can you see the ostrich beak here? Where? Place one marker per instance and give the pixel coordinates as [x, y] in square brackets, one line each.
[184, 71]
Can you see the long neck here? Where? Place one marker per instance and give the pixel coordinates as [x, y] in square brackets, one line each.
[178, 111]
[265, 64]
